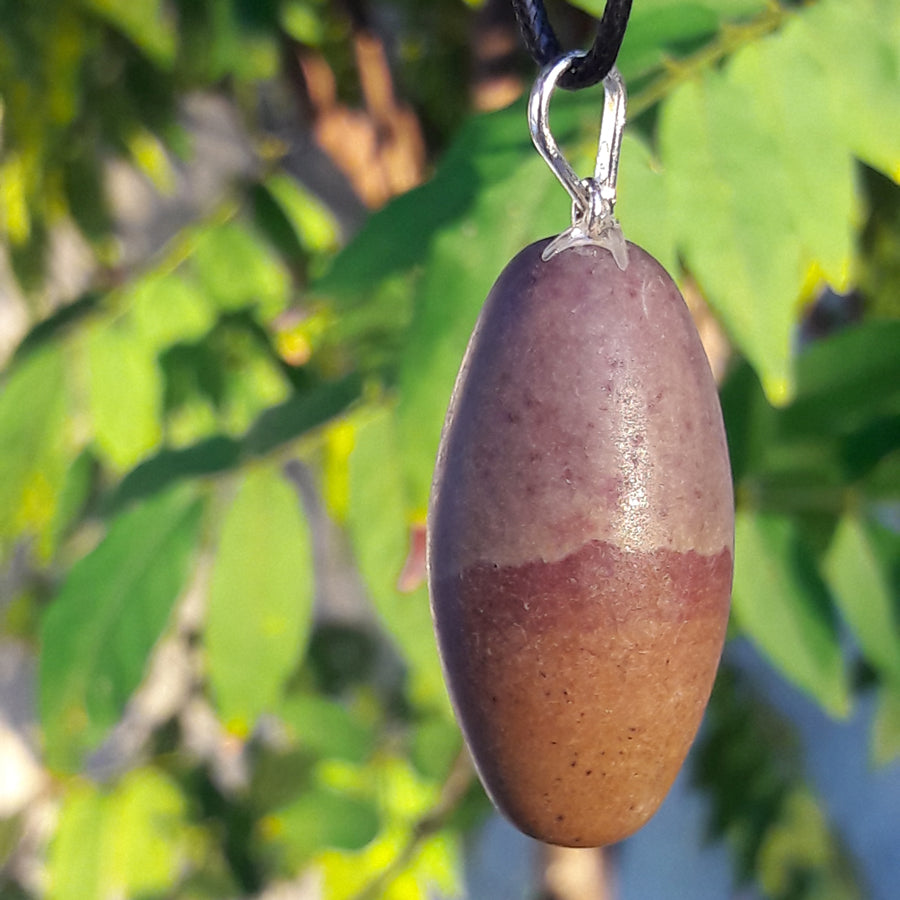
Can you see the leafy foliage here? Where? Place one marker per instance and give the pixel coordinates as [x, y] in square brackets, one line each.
[107, 616]
[155, 429]
[762, 805]
[274, 601]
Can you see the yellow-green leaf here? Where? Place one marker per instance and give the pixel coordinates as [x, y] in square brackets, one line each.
[237, 270]
[127, 841]
[261, 595]
[144, 834]
[125, 393]
[75, 864]
[315, 225]
[726, 186]
[167, 309]
[34, 443]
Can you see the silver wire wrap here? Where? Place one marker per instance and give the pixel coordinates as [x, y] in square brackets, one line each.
[594, 198]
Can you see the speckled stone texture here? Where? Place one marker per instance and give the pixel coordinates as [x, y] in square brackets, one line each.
[580, 542]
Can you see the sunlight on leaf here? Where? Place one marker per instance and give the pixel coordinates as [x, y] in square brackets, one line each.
[862, 89]
[125, 392]
[127, 841]
[404, 799]
[237, 270]
[302, 22]
[75, 865]
[787, 89]
[260, 600]
[34, 444]
[716, 156]
[151, 158]
[167, 308]
[316, 227]
[339, 439]
[15, 223]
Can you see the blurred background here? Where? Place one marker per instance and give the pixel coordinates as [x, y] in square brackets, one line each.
[243, 246]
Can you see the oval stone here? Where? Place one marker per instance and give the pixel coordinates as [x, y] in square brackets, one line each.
[580, 542]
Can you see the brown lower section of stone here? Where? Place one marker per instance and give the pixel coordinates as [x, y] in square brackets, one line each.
[581, 683]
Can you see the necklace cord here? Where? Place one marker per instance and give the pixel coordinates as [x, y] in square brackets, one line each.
[542, 43]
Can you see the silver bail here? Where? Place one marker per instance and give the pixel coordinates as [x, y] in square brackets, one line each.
[594, 198]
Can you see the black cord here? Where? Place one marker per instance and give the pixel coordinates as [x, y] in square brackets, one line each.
[543, 45]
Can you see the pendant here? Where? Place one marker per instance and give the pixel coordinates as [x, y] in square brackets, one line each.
[581, 523]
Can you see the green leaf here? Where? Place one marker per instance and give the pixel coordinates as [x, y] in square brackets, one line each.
[313, 223]
[758, 162]
[843, 423]
[147, 23]
[379, 522]
[125, 393]
[643, 204]
[167, 309]
[748, 762]
[863, 595]
[749, 421]
[85, 193]
[327, 727]
[126, 842]
[658, 29]
[56, 325]
[847, 380]
[323, 818]
[75, 493]
[862, 90]
[237, 270]
[34, 443]
[886, 727]
[145, 833]
[786, 87]
[432, 254]
[98, 633]
[782, 606]
[149, 155]
[435, 746]
[303, 22]
[168, 467]
[261, 596]
[742, 247]
[304, 411]
[404, 800]
[655, 7]
[75, 864]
